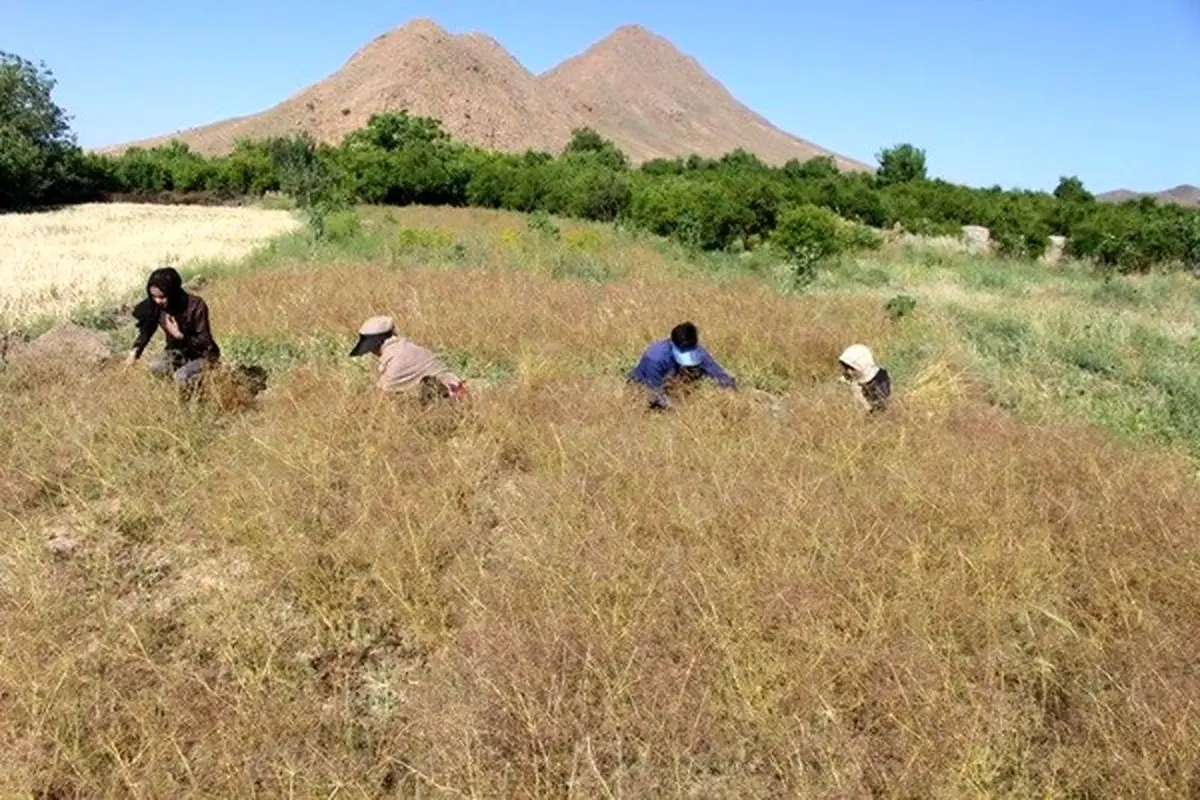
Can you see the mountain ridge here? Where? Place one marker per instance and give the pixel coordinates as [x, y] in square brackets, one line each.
[634, 87]
[1185, 194]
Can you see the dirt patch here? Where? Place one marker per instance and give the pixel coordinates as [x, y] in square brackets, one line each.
[64, 341]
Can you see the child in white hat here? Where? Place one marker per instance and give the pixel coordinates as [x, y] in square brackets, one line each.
[872, 385]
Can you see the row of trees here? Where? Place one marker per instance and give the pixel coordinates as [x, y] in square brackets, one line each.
[730, 202]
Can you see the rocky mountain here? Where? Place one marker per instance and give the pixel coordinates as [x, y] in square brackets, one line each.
[1184, 195]
[636, 88]
[633, 87]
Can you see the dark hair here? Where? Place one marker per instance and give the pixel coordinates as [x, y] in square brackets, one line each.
[684, 336]
[170, 282]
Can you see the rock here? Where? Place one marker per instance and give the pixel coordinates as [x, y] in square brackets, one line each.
[107, 511]
[65, 340]
[1055, 250]
[61, 540]
[978, 238]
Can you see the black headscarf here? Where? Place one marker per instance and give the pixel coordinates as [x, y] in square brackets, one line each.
[169, 282]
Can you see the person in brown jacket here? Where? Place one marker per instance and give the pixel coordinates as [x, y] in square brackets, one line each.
[404, 365]
[183, 318]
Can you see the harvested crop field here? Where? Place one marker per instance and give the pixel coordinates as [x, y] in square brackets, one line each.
[51, 262]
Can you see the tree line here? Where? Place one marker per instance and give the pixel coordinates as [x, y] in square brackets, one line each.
[808, 209]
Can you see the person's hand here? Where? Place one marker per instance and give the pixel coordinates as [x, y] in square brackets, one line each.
[130, 359]
[172, 327]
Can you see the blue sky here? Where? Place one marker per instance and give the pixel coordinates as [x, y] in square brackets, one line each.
[1009, 92]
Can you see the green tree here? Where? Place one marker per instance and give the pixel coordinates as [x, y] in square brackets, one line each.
[587, 141]
[741, 161]
[1070, 190]
[37, 147]
[815, 168]
[397, 131]
[900, 164]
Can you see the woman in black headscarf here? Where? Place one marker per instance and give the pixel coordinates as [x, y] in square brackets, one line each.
[183, 318]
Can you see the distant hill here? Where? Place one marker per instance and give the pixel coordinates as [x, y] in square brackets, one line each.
[633, 87]
[637, 89]
[1184, 195]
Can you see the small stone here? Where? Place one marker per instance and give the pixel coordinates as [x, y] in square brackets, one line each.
[61, 540]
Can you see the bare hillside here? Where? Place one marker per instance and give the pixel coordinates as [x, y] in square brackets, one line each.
[638, 89]
[479, 92]
[634, 87]
[1184, 195]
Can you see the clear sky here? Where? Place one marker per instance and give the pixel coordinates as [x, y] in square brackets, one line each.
[1009, 92]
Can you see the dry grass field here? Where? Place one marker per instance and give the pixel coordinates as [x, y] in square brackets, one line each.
[51, 262]
[992, 590]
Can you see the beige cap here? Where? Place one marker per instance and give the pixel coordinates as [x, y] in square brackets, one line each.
[371, 335]
[376, 326]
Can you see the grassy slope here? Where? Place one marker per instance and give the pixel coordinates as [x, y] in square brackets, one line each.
[558, 593]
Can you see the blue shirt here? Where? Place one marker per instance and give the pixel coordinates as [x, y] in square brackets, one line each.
[658, 364]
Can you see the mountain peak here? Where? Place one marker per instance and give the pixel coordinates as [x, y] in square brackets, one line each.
[634, 32]
[635, 40]
[633, 87]
[421, 26]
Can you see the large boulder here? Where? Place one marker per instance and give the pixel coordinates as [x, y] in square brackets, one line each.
[1055, 250]
[977, 238]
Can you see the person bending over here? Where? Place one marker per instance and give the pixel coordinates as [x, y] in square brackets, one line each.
[678, 359]
[871, 382]
[405, 365]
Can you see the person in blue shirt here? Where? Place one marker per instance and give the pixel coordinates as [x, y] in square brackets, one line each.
[678, 358]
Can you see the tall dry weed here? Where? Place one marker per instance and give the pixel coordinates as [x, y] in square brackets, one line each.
[555, 593]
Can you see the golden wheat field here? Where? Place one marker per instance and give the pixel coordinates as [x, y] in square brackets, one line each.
[51, 262]
[553, 593]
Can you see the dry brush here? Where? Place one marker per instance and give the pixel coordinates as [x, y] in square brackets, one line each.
[556, 594]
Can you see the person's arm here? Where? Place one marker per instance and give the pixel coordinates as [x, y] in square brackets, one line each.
[147, 322]
[653, 374]
[716, 372]
[202, 334]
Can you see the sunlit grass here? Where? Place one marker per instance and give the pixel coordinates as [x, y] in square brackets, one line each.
[554, 593]
[51, 262]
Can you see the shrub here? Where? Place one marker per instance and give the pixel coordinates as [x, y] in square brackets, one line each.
[1019, 233]
[807, 236]
[541, 223]
[341, 225]
[900, 306]
[408, 239]
[855, 236]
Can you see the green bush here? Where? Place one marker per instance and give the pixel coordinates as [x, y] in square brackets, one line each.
[341, 225]
[855, 236]
[900, 307]
[543, 224]
[410, 239]
[807, 236]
